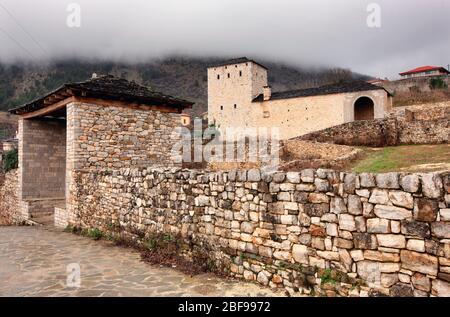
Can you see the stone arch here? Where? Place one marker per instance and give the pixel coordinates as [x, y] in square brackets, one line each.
[364, 109]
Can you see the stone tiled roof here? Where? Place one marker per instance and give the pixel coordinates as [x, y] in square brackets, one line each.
[239, 60]
[105, 87]
[346, 87]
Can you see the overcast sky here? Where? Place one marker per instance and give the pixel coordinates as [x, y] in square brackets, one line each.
[302, 32]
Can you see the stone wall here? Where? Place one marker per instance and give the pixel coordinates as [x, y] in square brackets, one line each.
[417, 127]
[421, 84]
[374, 133]
[108, 136]
[315, 230]
[424, 132]
[111, 136]
[9, 199]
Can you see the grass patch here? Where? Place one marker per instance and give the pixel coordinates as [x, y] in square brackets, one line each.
[414, 158]
[327, 277]
[95, 234]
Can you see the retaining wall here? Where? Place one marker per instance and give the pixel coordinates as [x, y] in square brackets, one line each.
[316, 231]
[9, 199]
[425, 126]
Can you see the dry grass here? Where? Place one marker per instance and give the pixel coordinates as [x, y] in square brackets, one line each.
[414, 98]
[408, 158]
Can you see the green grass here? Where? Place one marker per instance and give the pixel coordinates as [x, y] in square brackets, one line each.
[327, 277]
[402, 157]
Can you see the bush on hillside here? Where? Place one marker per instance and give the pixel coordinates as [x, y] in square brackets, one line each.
[10, 160]
[437, 83]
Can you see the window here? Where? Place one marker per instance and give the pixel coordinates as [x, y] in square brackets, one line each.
[218, 76]
[228, 75]
[240, 73]
[235, 106]
[221, 107]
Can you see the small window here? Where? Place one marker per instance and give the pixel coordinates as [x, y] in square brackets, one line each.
[221, 107]
[228, 75]
[218, 76]
[235, 106]
[240, 73]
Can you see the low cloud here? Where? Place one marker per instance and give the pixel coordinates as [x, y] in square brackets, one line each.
[312, 32]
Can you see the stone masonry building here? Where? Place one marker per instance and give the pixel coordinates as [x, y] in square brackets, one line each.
[239, 97]
[105, 122]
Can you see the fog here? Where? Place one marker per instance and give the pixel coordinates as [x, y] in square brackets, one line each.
[411, 33]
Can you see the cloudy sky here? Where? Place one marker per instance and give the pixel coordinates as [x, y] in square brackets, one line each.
[304, 32]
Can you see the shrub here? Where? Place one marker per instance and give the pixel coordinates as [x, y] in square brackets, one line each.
[95, 234]
[437, 83]
[11, 160]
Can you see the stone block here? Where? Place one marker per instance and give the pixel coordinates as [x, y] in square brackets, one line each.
[377, 225]
[300, 253]
[391, 241]
[387, 180]
[419, 262]
[347, 222]
[410, 183]
[379, 196]
[426, 209]
[401, 199]
[441, 230]
[432, 186]
[393, 213]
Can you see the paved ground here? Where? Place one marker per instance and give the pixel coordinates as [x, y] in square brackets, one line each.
[33, 262]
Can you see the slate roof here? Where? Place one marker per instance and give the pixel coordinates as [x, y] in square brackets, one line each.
[346, 87]
[239, 60]
[108, 88]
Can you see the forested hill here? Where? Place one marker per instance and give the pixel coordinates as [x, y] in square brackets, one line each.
[178, 76]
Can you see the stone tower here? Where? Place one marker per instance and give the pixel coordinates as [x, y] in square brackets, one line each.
[231, 88]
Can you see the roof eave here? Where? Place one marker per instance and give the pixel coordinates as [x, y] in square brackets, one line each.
[41, 99]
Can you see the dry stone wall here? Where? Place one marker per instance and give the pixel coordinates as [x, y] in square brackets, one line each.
[374, 133]
[307, 232]
[429, 124]
[9, 200]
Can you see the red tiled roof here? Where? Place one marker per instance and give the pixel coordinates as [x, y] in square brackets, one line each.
[423, 69]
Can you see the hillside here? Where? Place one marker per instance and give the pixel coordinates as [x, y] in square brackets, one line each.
[179, 76]
[8, 126]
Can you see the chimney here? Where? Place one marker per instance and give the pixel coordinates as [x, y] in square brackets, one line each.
[267, 92]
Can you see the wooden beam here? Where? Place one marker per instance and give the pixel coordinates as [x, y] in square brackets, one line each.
[55, 103]
[48, 110]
